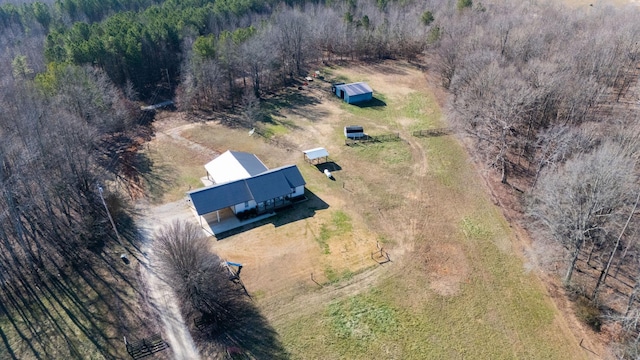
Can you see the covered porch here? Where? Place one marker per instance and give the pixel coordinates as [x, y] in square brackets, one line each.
[219, 221]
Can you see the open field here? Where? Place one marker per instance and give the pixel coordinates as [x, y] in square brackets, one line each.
[456, 286]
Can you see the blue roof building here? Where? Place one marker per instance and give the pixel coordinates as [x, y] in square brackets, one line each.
[354, 93]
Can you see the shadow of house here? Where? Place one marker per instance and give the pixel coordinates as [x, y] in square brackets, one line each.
[300, 210]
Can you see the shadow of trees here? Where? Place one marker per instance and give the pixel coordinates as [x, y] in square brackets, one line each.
[248, 332]
[73, 310]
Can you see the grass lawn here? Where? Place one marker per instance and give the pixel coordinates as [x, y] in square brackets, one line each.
[455, 287]
[480, 305]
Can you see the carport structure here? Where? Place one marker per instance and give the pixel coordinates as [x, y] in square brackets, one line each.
[316, 156]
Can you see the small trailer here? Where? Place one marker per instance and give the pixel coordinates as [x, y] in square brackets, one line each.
[354, 132]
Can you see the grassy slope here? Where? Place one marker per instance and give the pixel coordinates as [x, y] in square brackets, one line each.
[498, 311]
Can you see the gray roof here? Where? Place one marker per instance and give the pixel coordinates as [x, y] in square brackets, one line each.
[292, 174]
[250, 162]
[268, 186]
[265, 186]
[218, 197]
[358, 88]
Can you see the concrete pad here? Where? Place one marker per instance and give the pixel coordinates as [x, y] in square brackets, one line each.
[225, 220]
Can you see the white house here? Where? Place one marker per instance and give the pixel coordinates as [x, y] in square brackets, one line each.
[243, 183]
[234, 165]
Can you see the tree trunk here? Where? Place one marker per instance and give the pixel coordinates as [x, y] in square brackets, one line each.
[572, 265]
[504, 171]
[605, 271]
[590, 254]
[632, 297]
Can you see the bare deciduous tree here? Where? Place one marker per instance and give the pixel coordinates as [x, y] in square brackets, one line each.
[197, 276]
[583, 200]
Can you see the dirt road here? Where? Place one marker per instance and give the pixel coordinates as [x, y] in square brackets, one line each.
[162, 299]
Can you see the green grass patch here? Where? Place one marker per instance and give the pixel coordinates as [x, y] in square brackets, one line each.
[359, 320]
[334, 277]
[448, 162]
[472, 229]
[271, 130]
[421, 108]
[323, 239]
[340, 224]
[257, 295]
[392, 154]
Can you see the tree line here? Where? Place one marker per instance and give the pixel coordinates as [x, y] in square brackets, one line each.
[152, 43]
[552, 109]
[227, 68]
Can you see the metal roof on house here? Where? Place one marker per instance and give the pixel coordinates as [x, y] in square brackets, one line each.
[353, 89]
[265, 186]
[316, 153]
[218, 197]
[268, 186]
[234, 165]
[292, 174]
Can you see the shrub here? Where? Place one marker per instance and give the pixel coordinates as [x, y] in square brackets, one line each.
[588, 313]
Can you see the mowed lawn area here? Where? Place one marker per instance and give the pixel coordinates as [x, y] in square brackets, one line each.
[456, 286]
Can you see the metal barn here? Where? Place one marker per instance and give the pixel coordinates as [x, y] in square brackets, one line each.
[354, 93]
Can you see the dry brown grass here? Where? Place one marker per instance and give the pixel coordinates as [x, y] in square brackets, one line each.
[456, 286]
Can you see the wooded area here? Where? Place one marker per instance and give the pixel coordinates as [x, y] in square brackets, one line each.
[547, 95]
[555, 115]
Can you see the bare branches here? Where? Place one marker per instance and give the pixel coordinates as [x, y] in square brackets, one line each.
[196, 275]
[583, 200]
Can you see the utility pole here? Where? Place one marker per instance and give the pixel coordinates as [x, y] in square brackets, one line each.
[113, 224]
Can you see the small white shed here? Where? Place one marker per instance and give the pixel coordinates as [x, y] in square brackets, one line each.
[316, 156]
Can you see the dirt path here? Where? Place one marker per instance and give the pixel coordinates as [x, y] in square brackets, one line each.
[309, 302]
[175, 133]
[161, 297]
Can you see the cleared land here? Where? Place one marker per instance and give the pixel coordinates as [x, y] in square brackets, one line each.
[456, 286]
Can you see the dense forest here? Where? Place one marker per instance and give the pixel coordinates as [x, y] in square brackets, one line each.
[546, 95]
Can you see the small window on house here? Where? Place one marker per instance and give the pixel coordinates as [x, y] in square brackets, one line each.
[246, 204]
